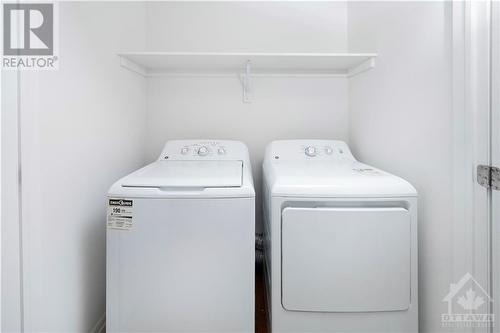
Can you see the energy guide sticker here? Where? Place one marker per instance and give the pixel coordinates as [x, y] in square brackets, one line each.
[120, 214]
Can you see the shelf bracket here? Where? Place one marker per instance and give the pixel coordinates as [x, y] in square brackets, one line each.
[246, 81]
[363, 67]
[132, 66]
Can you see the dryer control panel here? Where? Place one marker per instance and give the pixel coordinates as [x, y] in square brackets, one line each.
[309, 150]
[203, 150]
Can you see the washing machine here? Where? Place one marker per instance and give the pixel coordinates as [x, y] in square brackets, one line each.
[340, 242]
[181, 242]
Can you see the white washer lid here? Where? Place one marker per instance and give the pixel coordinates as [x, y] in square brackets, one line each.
[200, 174]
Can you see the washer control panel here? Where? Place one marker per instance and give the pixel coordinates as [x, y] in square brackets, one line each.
[203, 149]
[309, 150]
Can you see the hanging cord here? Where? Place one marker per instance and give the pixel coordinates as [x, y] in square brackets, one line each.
[259, 248]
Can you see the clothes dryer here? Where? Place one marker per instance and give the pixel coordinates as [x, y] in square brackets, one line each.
[340, 242]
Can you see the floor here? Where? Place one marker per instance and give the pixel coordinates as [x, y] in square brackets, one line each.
[260, 302]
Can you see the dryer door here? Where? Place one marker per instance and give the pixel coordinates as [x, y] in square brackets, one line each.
[345, 259]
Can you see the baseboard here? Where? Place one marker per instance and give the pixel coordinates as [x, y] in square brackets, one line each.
[100, 325]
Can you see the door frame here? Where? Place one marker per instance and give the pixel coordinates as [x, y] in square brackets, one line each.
[471, 68]
[495, 157]
[11, 307]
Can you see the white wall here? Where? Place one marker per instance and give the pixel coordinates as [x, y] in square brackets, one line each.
[401, 121]
[211, 107]
[83, 128]
[247, 26]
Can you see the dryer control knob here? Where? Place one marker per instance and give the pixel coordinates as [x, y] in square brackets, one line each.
[203, 151]
[311, 151]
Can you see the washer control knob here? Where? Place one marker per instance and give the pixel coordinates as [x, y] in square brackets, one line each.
[221, 151]
[184, 150]
[203, 151]
[311, 151]
[328, 150]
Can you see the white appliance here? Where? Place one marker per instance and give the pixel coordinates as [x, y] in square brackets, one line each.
[181, 242]
[340, 241]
